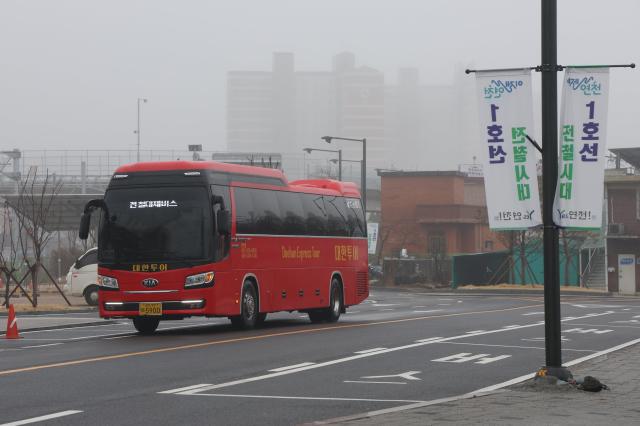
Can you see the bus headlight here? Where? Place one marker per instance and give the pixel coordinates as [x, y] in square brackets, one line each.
[107, 282]
[204, 279]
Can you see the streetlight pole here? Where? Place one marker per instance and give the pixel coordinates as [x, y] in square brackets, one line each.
[328, 139]
[339, 151]
[137, 132]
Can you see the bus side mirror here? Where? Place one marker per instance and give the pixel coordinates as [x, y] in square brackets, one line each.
[85, 221]
[224, 222]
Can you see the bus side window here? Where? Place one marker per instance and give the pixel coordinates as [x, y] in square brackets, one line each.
[315, 214]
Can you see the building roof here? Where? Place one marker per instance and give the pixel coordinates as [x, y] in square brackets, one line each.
[630, 155]
[402, 173]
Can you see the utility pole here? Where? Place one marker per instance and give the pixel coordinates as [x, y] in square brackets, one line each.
[137, 132]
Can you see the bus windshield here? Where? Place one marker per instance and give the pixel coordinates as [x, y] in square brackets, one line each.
[156, 224]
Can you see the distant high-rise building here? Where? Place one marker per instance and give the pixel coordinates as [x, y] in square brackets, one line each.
[286, 110]
[408, 125]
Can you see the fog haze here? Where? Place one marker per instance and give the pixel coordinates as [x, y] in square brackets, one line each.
[71, 71]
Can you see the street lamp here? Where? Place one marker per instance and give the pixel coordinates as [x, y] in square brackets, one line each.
[137, 132]
[339, 151]
[328, 139]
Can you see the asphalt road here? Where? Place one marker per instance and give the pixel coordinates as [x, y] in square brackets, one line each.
[395, 349]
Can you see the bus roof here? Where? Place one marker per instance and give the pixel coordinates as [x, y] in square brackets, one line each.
[348, 189]
[156, 166]
[344, 188]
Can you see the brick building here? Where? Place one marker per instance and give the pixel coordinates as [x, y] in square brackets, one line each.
[434, 212]
[623, 223]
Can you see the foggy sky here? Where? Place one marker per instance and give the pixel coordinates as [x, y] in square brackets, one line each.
[71, 71]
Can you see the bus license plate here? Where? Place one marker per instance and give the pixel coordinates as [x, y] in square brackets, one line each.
[150, 309]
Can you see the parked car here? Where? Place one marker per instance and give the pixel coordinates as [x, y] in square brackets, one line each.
[82, 277]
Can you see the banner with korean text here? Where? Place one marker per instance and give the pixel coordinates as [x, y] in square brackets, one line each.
[372, 235]
[583, 123]
[509, 160]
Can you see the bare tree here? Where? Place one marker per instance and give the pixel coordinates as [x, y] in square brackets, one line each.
[34, 210]
[10, 261]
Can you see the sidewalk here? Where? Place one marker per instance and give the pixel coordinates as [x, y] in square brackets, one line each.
[531, 404]
[52, 312]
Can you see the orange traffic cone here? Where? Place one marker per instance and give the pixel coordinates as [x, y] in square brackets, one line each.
[12, 325]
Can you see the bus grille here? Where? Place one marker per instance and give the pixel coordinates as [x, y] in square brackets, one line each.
[362, 284]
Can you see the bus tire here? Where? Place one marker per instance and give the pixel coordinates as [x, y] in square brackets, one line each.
[146, 325]
[91, 295]
[248, 308]
[335, 302]
[262, 316]
[332, 313]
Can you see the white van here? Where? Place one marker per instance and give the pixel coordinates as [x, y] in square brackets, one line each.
[82, 277]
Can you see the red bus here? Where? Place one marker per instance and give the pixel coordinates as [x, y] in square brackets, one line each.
[202, 238]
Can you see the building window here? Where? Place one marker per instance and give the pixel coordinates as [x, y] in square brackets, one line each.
[488, 245]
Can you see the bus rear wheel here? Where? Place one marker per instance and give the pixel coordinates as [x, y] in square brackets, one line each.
[332, 313]
[248, 308]
[146, 325]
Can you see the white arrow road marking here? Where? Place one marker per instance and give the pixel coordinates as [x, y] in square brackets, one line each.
[351, 358]
[42, 418]
[408, 376]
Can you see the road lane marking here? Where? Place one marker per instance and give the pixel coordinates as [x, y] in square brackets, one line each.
[369, 350]
[459, 358]
[430, 339]
[202, 385]
[588, 330]
[42, 418]
[484, 391]
[308, 398]
[533, 313]
[248, 338]
[516, 346]
[375, 383]
[289, 367]
[41, 346]
[428, 312]
[350, 358]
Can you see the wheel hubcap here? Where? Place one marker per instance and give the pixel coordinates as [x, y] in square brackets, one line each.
[336, 302]
[249, 306]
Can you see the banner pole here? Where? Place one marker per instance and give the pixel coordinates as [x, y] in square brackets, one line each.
[549, 69]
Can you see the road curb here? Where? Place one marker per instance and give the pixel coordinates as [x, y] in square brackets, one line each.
[493, 291]
[73, 311]
[61, 326]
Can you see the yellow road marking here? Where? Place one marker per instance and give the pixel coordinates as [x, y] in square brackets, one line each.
[241, 339]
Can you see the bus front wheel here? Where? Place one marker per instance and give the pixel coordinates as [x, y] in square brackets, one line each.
[146, 325]
[248, 309]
